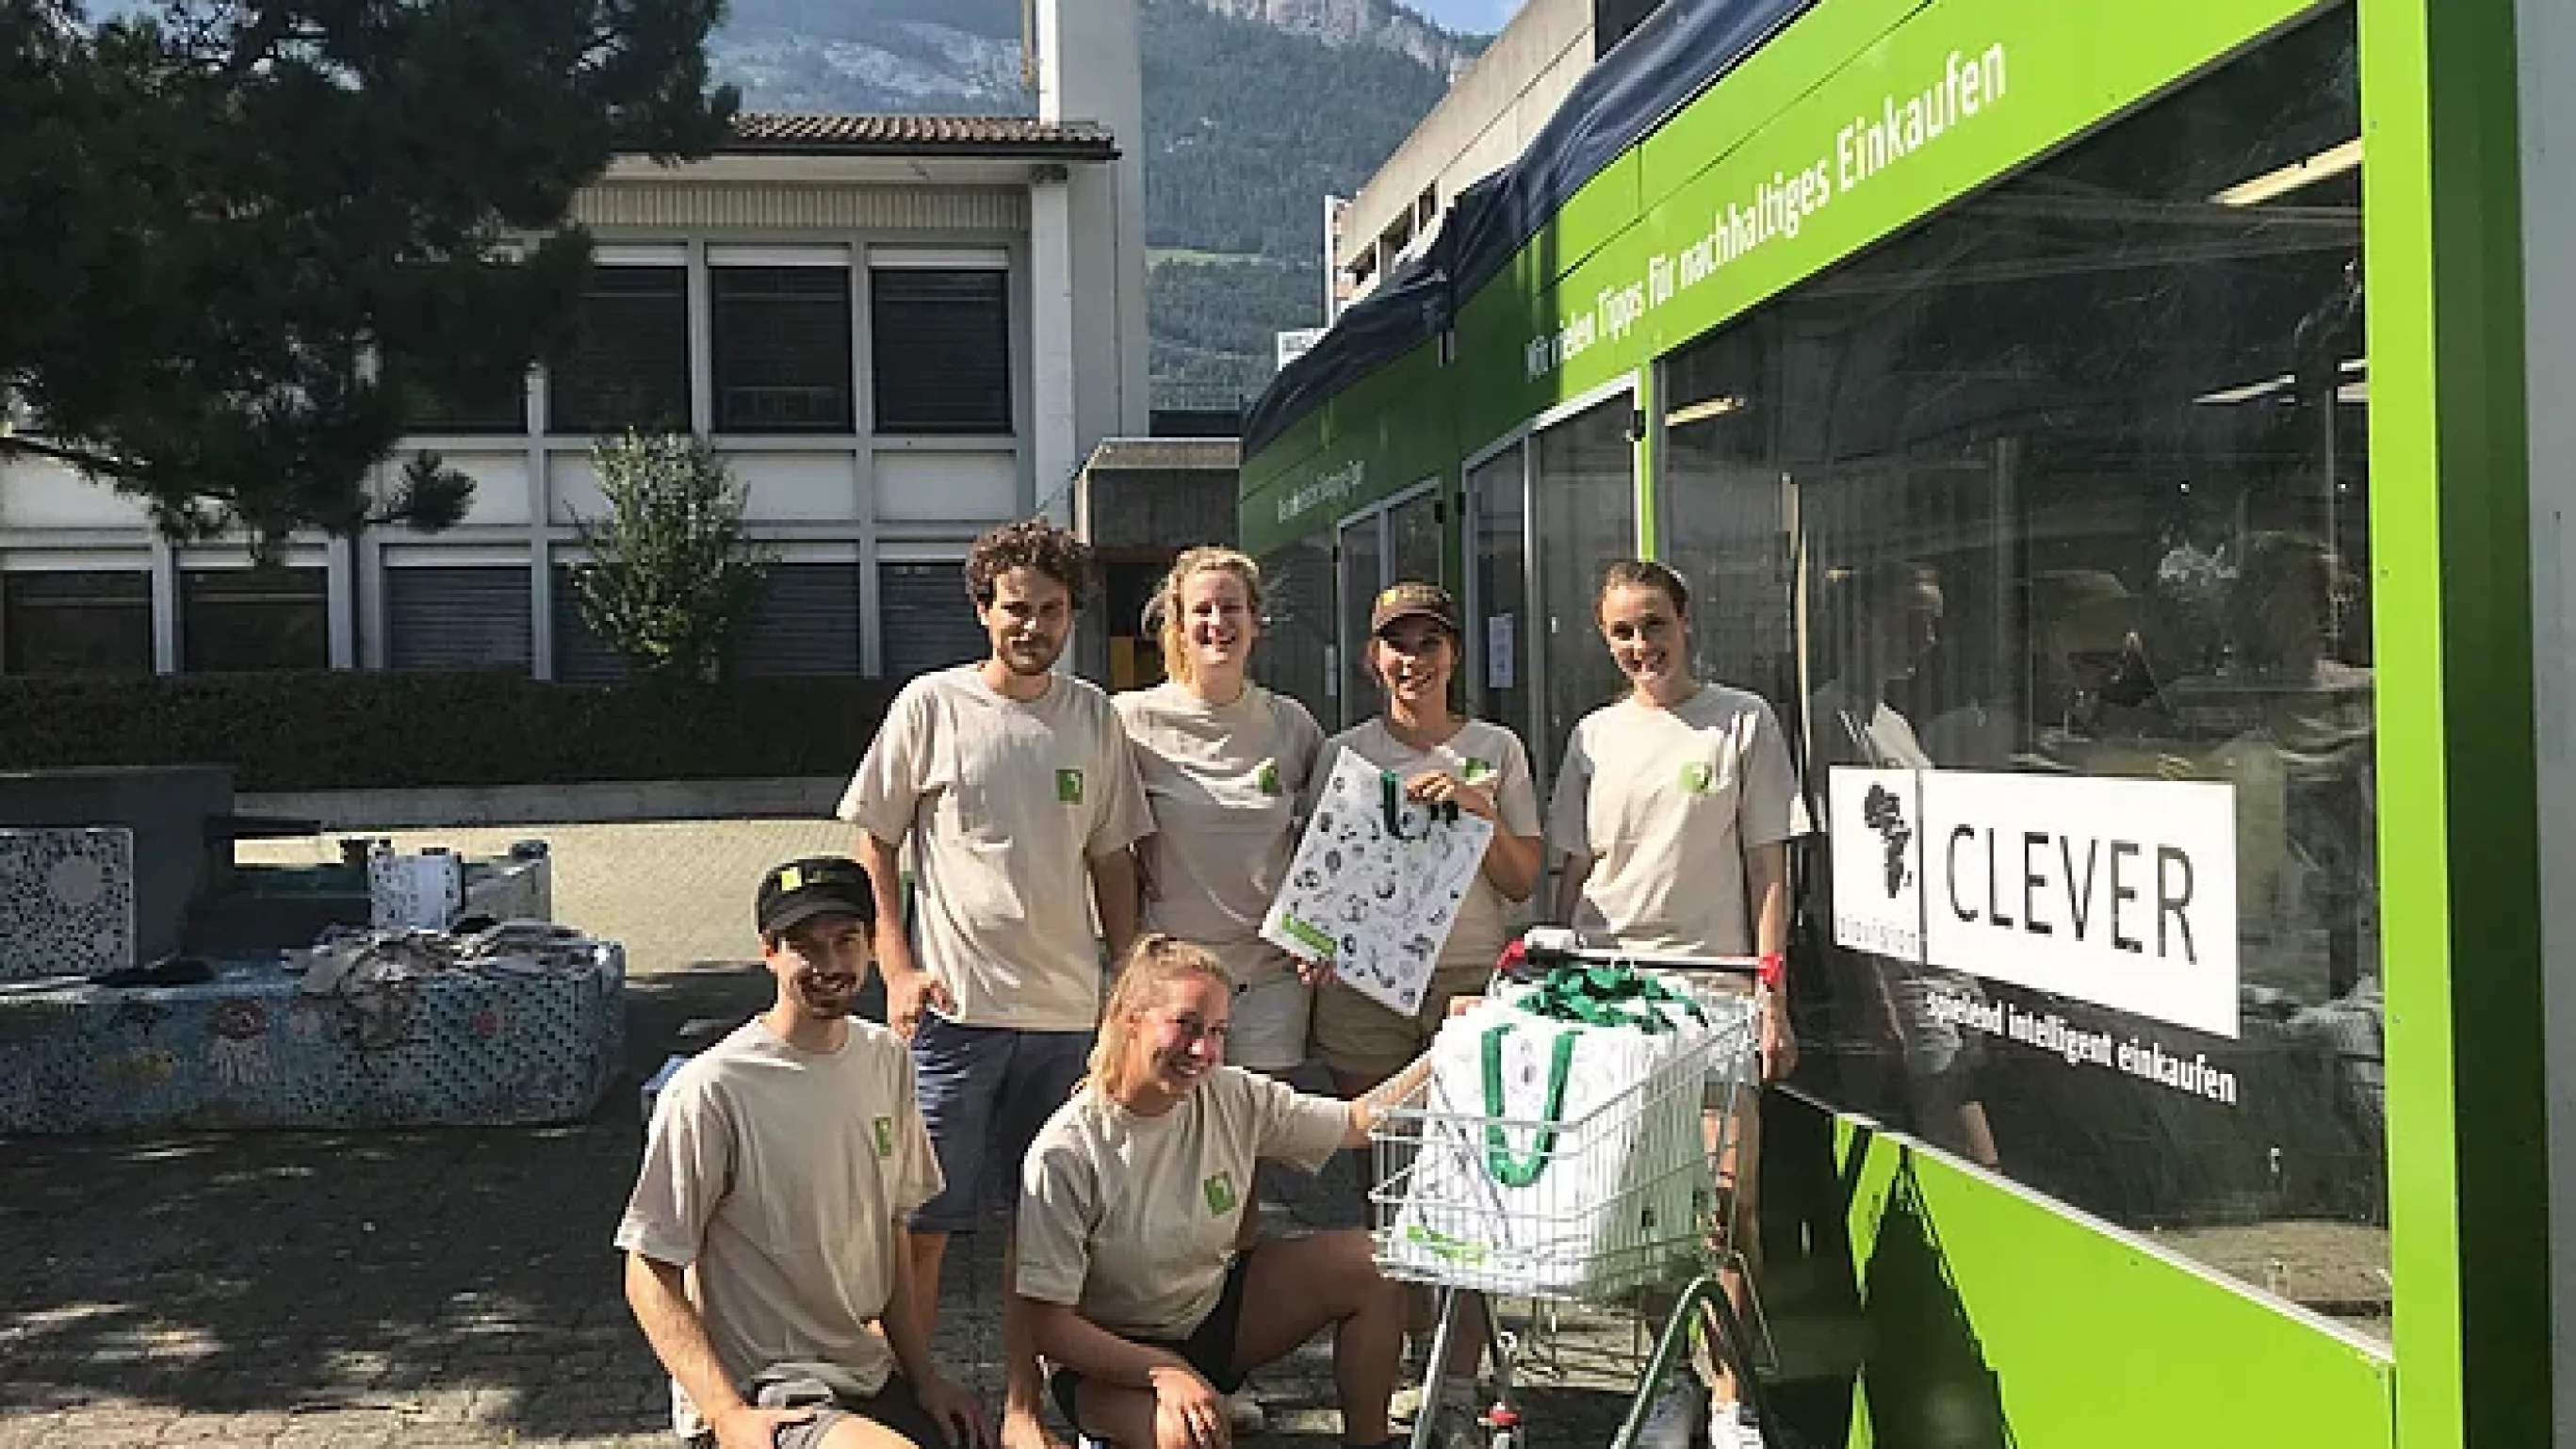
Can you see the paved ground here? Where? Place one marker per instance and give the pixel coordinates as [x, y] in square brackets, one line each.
[453, 1288]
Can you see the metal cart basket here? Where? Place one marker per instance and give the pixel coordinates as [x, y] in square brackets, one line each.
[1574, 1143]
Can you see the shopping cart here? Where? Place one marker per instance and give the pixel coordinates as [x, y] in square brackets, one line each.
[1598, 1205]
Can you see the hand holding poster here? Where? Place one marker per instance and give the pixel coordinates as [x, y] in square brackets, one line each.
[1376, 884]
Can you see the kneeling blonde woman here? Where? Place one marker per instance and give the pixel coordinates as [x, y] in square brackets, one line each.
[1130, 1202]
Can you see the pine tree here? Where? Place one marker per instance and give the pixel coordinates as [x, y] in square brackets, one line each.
[218, 218]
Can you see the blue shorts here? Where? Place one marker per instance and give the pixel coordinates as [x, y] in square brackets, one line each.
[984, 1092]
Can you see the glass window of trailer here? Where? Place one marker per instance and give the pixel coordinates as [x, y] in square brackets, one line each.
[2046, 524]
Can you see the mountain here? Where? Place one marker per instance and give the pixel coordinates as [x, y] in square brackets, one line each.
[954, 57]
[1346, 23]
[1255, 110]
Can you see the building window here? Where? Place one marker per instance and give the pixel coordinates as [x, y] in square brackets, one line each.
[239, 620]
[627, 365]
[85, 622]
[581, 655]
[928, 621]
[807, 624]
[445, 408]
[782, 349]
[942, 347]
[458, 617]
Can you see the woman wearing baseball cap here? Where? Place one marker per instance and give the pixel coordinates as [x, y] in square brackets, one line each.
[1413, 652]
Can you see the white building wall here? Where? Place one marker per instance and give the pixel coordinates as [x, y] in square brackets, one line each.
[1090, 68]
[1484, 124]
[41, 496]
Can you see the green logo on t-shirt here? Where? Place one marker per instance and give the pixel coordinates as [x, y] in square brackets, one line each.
[1479, 770]
[1220, 1193]
[1068, 786]
[1267, 777]
[1698, 777]
[885, 1137]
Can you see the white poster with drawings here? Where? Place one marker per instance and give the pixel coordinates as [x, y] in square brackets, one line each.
[1377, 904]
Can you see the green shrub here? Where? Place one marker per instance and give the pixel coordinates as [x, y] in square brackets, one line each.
[330, 730]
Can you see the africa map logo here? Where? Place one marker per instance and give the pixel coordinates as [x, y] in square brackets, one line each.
[1884, 811]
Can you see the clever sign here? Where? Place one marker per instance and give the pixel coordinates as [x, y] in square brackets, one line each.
[2121, 893]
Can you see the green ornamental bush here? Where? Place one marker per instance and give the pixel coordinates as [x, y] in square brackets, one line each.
[327, 730]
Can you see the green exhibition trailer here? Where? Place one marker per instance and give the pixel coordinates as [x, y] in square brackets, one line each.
[2060, 423]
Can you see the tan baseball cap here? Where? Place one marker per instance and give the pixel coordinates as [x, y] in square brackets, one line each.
[1415, 601]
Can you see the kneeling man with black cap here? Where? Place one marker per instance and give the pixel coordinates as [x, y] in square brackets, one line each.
[765, 1243]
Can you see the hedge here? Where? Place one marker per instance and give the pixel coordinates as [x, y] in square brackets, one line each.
[333, 730]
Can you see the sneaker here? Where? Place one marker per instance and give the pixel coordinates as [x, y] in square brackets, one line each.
[1670, 1422]
[1244, 1412]
[1731, 1426]
[1407, 1403]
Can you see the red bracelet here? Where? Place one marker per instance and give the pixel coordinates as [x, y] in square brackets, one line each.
[1775, 970]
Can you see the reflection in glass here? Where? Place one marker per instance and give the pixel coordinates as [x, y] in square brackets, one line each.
[1878, 624]
[1587, 504]
[2073, 480]
[1363, 565]
[1413, 539]
[1297, 625]
[1496, 490]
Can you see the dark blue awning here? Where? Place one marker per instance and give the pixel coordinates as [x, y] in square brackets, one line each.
[1661, 67]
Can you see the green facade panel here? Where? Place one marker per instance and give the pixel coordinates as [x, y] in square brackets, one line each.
[1656, 274]
[2001, 1319]
[1382, 437]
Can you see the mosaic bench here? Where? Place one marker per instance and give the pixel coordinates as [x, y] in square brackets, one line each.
[492, 1046]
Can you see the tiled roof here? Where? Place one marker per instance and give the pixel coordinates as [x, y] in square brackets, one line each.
[762, 132]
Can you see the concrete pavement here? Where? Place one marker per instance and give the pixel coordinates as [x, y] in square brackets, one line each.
[435, 1289]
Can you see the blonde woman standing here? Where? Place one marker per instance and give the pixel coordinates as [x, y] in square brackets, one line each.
[1130, 1208]
[1224, 762]
[1672, 816]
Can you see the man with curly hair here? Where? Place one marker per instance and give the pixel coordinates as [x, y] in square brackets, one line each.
[1014, 786]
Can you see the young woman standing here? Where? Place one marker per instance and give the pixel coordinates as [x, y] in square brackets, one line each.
[1413, 651]
[1672, 814]
[1224, 763]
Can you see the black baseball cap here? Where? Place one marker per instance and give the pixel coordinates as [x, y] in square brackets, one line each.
[820, 885]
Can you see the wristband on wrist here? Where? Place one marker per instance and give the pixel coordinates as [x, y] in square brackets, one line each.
[1775, 970]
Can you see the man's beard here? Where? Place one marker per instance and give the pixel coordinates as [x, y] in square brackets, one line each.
[1014, 661]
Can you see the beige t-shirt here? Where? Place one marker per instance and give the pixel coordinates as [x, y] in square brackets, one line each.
[1007, 804]
[1131, 1220]
[780, 1177]
[1223, 781]
[1665, 803]
[1479, 753]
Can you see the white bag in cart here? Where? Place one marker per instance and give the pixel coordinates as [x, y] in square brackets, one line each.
[1601, 1201]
